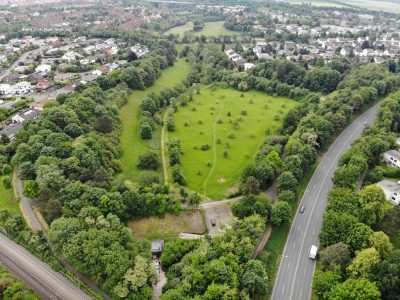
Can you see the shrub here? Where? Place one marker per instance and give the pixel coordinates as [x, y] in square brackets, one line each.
[7, 182]
[171, 125]
[149, 161]
[146, 131]
[231, 135]
[148, 178]
[177, 176]
[205, 147]
[243, 112]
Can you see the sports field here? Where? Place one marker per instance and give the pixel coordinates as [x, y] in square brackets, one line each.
[232, 127]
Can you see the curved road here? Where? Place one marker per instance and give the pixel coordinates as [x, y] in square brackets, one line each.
[48, 283]
[296, 270]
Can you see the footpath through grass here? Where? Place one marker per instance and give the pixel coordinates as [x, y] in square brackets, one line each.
[221, 132]
[131, 143]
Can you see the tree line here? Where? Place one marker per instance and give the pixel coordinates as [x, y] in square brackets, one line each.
[358, 258]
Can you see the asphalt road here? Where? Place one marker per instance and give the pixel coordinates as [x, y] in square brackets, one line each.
[48, 283]
[296, 270]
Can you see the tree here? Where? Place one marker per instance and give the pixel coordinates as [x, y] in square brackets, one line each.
[250, 205]
[335, 255]
[194, 200]
[149, 161]
[335, 228]
[355, 289]
[286, 181]
[275, 160]
[219, 291]
[174, 250]
[6, 182]
[4, 139]
[251, 186]
[254, 279]
[358, 236]
[381, 242]
[31, 189]
[281, 213]
[372, 199]
[293, 164]
[177, 175]
[146, 131]
[324, 282]
[387, 276]
[363, 264]
[171, 125]
[287, 196]
[345, 200]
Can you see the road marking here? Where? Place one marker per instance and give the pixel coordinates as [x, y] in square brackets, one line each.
[301, 292]
[294, 244]
[283, 289]
[305, 270]
[313, 232]
[298, 228]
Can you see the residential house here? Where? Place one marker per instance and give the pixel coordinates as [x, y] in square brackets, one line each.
[391, 190]
[70, 56]
[139, 50]
[21, 88]
[44, 85]
[43, 68]
[392, 158]
[101, 70]
[25, 115]
[248, 66]
[64, 77]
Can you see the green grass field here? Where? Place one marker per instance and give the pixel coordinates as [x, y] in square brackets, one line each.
[215, 118]
[7, 200]
[131, 143]
[385, 6]
[168, 226]
[210, 29]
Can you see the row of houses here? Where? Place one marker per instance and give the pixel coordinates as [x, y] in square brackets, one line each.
[238, 60]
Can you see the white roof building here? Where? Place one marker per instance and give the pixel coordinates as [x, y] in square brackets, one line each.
[43, 68]
[391, 190]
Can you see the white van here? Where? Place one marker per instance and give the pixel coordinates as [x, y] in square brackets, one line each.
[313, 252]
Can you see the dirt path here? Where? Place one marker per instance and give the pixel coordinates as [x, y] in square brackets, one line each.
[214, 150]
[164, 136]
[263, 241]
[157, 289]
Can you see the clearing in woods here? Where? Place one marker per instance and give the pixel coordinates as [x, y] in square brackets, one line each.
[221, 132]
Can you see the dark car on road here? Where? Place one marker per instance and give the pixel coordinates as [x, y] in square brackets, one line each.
[213, 222]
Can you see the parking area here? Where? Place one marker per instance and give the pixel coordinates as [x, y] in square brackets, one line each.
[220, 212]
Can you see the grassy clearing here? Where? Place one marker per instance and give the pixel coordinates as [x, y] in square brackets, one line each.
[131, 143]
[7, 200]
[210, 29]
[232, 126]
[168, 226]
[180, 30]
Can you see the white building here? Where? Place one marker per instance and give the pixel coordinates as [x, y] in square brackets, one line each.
[391, 190]
[27, 114]
[43, 68]
[70, 56]
[392, 158]
[248, 66]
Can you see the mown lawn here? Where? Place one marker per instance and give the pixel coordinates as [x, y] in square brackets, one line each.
[7, 200]
[233, 127]
[168, 226]
[210, 29]
[131, 143]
